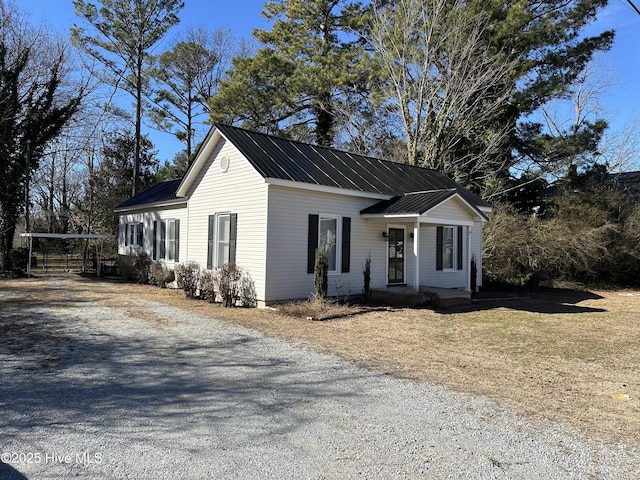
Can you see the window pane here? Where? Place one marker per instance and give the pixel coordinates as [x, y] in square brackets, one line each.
[327, 241]
[171, 240]
[224, 228]
[447, 247]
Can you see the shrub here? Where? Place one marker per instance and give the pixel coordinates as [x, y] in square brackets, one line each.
[208, 286]
[226, 279]
[188, 276]
[321, 274]
[157, 275]
[18, 258]
[125, 267]
[248, 296]
[170, 277]
[142, 267]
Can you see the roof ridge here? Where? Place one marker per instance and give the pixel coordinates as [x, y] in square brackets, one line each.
[432, 191]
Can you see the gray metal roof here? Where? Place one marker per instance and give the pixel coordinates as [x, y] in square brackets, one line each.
[410, 204]
[279, 158]
[160, 192]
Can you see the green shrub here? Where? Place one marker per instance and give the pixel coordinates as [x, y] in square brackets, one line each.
[366, 272]
[18, 259]
[142, 267]
[125, 267]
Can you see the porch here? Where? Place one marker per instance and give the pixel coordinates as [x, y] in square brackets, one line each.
[425, 296]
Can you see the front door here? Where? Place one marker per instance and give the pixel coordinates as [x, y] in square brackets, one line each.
[396, 255]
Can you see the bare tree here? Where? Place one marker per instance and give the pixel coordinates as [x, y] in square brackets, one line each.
[187, 76]
[445, 86]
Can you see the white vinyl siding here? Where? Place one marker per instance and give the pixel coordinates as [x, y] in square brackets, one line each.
[240, 190]
[147, 219]
[287, 242]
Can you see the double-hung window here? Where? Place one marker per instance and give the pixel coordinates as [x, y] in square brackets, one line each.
[133, 234]
[166, 245]
[332, 234]
[449, 248]
[222, 239]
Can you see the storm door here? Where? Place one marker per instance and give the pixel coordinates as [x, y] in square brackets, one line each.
[396, 255]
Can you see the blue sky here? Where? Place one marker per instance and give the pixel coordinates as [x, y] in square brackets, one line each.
[242, 16]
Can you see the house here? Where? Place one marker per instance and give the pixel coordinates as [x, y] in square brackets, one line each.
[266, 203]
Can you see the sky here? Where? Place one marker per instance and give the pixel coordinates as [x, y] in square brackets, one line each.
[621, 102]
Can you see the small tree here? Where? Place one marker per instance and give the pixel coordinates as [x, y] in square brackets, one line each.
[366, 272]
[321, 273]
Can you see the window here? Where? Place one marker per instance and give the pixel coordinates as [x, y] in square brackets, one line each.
[133, 234]
[332, 233]
[166, 240]
[222, 239]
[327, 240]
[449, 248]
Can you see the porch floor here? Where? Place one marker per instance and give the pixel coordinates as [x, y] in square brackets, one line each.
[407, 294]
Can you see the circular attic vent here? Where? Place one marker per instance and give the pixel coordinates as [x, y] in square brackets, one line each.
[224, 164]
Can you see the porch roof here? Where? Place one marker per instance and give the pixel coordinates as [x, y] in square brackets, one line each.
[416, 203]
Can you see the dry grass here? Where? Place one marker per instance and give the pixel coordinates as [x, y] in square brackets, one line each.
[566, 356]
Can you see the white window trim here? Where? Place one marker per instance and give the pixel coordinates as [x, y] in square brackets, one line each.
[338, 219]
[167, 240]
[454, 248]
[216, 238]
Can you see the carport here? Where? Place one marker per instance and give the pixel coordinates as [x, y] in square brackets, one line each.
[67, 236]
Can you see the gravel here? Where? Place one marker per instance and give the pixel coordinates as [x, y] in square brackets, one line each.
[117, 393]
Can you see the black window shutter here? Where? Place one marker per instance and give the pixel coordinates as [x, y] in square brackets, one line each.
[460, 249]
[140, 232]
[126, 234]
[233, 234]
[212, 222]
[346, 244]
[177, 241]
[439, 242]
[154, 237]
[312, 242]
[163, 240]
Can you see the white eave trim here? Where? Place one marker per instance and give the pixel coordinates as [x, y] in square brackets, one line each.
[326, 189]
[181, 203]
[203, 154]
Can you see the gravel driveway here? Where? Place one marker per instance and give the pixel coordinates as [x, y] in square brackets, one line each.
[145, 391]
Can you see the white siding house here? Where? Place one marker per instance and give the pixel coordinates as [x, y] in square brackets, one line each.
[266, 204]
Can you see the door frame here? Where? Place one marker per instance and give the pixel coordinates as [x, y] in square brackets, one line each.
[404, 255]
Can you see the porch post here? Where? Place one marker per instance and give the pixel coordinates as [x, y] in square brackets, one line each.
[416, 255]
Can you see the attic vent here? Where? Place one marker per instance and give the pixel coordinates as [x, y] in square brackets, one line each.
[224, 164]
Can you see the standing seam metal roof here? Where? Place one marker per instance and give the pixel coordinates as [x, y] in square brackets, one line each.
[275, 157]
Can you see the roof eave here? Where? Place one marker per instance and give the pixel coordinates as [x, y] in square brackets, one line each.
[147, 206]
[202, 155]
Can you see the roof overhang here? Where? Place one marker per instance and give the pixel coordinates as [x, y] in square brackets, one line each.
[202, 155]
[178, 203]
[325, 189]
[425, 213]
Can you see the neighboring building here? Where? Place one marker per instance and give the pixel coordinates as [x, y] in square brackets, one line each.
[267, 203]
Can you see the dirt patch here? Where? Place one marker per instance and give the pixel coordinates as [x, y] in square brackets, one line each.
[567, 356]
